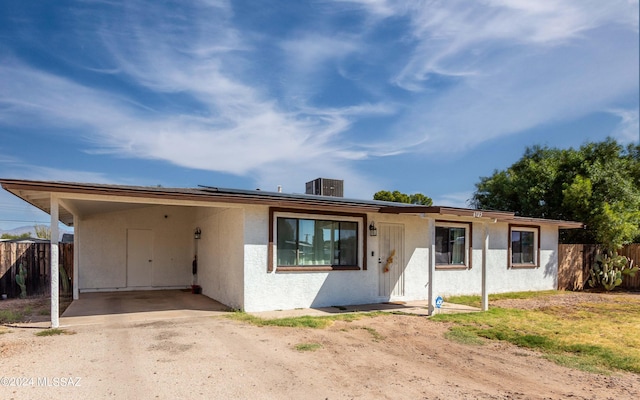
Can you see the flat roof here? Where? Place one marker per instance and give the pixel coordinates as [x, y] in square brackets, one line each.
[38, 193]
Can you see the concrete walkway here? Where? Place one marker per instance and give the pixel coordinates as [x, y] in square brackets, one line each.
[154, 305]
[410, 307]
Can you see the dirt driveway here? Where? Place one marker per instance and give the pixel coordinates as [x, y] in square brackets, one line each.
[392, 356]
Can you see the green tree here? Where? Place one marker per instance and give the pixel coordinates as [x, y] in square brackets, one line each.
[421, 199]
[14, 237]
[598, 184]
[42, 231]
[398, 197]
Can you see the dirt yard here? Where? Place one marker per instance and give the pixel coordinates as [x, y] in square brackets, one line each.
[393, 356]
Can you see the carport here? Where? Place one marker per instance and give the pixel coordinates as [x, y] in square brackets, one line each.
[117, 226]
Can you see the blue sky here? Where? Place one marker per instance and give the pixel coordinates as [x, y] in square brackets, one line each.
[416, 96]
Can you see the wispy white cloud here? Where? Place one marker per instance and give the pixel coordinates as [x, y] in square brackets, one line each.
[456, 199]
[628, 130]
[188, 85]
[235, 126]
[509, 65]
[273, 148]
[307, 58]
[313, 50]
[14, 211]
[458, 37]
[378, 8]
[15, 168]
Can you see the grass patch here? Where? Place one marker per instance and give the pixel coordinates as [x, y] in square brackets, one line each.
[25, 310]
[300, 322]
[54, 332]
[590, 336]
[308, 346]
[10, 316]
[375, 334]
[476, 301]
[582, 363]
[461, 334]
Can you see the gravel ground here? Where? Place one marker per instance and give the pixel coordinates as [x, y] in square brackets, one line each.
[392, 356]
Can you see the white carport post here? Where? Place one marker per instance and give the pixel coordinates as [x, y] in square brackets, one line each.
[431, 228]
[55, 236]
[485, 249]
[76, 259]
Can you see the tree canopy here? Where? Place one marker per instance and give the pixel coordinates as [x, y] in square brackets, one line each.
[42, 231]
[14, 237]
[597, 184]
[398, 197]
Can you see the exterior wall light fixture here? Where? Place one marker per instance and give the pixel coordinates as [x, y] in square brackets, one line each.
[373, 231]
[197, 233]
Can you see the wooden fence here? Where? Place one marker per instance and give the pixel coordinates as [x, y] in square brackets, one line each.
[575, 260]
[35, 259]
[633, 252]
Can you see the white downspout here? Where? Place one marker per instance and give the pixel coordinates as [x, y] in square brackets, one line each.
[55, 236]
[431, 228]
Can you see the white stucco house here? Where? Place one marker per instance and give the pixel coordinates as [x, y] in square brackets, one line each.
[261, 251]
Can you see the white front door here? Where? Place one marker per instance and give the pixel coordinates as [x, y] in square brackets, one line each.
[391, 261]
[139, 257]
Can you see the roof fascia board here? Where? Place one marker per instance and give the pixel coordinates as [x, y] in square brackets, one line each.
[542, 221]
[188, 197]
[153, 200]
[460, 212]
[501, 216]
[67, 188]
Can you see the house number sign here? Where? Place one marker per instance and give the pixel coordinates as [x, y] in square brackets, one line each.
[439, 302]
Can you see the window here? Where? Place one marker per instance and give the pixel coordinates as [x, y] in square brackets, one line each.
[452, 245]
[316, 242]
[524, 246]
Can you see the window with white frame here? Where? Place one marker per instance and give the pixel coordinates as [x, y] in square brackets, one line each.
[524, 245]
[453, 241]
[308, 242]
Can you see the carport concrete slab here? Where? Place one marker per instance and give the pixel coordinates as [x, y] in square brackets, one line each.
[124, 307]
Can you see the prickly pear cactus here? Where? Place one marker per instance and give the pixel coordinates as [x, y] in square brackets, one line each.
[608, 270]
[21, 280]
[64, 279]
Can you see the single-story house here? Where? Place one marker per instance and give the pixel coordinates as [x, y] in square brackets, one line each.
[259, 250]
